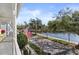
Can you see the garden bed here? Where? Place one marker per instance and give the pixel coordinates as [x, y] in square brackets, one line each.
[37, 49]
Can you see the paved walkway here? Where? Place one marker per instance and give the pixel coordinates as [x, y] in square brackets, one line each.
[6, 46]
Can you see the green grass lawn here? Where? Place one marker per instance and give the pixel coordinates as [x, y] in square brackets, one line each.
[60, 41]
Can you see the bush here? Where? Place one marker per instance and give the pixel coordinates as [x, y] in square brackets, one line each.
[22, 40]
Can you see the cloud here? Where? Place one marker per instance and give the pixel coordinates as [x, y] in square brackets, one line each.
[46, 17]
[25, 15]
[34, 13]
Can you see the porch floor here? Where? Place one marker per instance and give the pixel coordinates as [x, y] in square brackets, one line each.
[6, 46]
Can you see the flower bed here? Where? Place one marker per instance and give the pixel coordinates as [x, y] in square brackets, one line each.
[37, 49]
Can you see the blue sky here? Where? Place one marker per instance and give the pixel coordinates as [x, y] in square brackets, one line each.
[44, 11]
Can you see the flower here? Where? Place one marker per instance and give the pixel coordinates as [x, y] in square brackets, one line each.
[2, 31]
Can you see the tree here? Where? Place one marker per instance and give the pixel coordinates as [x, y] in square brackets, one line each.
[53, 25]
[44, 28]
[75, 22]
[39, 23]
[20, 26]
[65, 20]
[62, 22]
[25, 23]
[35, 24]
[32, 23]
[75, 16]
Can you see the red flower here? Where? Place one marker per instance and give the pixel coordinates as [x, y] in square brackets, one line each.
[2, 31]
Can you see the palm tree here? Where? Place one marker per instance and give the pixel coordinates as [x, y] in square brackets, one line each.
[35, 24]
[32, 23]
[25, 23]
[38, 23]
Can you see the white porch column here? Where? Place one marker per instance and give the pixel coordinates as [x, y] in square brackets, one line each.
[16, 47]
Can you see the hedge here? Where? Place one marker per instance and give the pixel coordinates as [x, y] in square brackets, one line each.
[22, 40]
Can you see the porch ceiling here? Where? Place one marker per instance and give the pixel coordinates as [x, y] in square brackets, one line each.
[7, 11]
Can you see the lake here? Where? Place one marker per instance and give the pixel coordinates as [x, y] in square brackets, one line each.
[64, 36]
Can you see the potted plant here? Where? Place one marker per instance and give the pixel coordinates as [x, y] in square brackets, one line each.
[2, 31]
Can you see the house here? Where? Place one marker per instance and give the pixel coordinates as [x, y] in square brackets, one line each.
[8, 15]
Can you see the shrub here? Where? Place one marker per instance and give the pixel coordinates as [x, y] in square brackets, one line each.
[22, 40]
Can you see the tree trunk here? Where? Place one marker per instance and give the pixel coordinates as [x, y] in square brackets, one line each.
[69, 37]
[35, 28]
